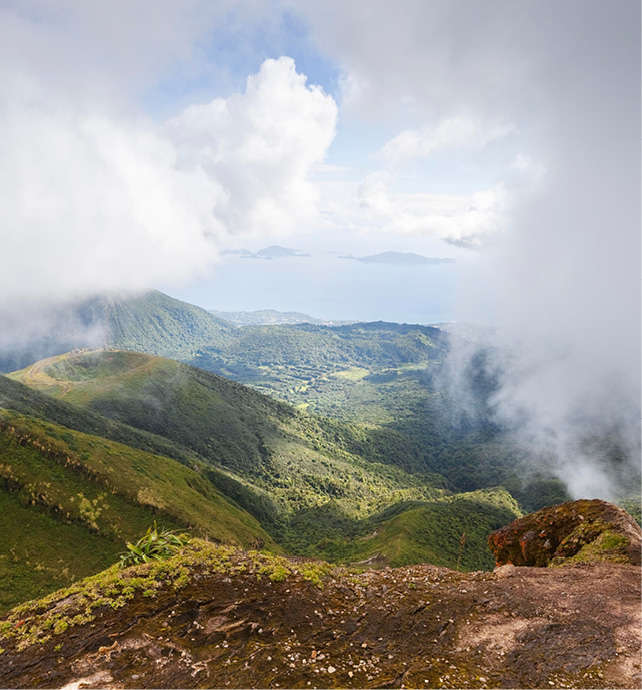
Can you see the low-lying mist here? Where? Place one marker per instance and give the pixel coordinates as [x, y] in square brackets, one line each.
[561, 285]
[562, 290]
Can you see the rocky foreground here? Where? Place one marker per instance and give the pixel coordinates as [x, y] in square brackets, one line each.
[213, 616]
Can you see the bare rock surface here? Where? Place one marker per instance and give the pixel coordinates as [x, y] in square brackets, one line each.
[215, 618]
[585, 531]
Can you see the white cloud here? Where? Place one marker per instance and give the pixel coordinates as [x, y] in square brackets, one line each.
[434, 58]
[71, 52]
[526, 167]
[566, 278]
[93, 203]
[463, 220]
[260, 146]
[448, 133]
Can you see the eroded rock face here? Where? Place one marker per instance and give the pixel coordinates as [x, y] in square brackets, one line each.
[212, 619]
[575, 532]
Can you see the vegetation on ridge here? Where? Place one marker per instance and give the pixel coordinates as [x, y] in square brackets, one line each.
[36, 622]
[70, 501]
[305, 479]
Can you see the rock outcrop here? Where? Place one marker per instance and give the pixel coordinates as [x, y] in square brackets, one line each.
[216, 617]
[575, 532]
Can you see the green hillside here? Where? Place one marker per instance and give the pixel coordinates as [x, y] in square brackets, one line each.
[383, 377]
[226, 461]
[70, 501]
[452, 532]
[148, 322]
[310, 364]
[297, 459]
[156, 323]
[391, 377]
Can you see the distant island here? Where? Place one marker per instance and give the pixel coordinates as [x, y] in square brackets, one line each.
[399, 259]
[269, 253]
[272, 317]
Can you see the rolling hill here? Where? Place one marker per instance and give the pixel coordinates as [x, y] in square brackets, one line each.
[148, 322]
[225, 461]
[266, 317]
[296, 457]
[382, 377]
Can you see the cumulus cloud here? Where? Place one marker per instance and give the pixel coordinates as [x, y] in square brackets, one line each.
[435, 59]
[260, 145]
[93, 204]
[73, 53]
[96, 196]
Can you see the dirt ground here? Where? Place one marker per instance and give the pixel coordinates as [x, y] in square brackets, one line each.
[414, 627]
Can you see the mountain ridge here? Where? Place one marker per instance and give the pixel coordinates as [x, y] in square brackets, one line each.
[213, 615]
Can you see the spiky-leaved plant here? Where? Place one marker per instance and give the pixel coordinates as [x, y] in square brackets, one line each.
[155, 545]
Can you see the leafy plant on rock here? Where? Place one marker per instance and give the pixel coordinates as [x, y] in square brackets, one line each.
[155, 545]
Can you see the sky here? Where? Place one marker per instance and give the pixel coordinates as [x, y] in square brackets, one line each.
[141, 140]
[155, 135]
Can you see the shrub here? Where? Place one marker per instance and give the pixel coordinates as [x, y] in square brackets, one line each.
[155, 545]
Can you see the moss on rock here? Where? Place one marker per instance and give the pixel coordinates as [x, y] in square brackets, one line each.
[584, 531]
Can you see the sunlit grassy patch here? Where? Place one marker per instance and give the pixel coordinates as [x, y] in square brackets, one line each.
[353, 373]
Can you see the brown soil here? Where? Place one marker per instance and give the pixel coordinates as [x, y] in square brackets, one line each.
[414, 627]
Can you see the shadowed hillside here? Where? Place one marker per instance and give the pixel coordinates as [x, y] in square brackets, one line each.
[384, 377]
[301, 459]
[147, 322]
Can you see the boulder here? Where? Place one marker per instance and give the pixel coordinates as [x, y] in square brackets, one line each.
[585, 531]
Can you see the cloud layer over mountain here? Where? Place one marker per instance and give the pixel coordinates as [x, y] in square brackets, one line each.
[96, 195]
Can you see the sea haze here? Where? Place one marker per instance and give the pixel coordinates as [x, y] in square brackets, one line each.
[325, 286]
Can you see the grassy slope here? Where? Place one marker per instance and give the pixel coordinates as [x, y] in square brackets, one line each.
[89, 494]
[308, 467]
[149, 322]
[39, 554]
[391, 377]
[384, 377]
[299, 459]
[21, 398]
[428, 532]
[156, 323]
[72, 500]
